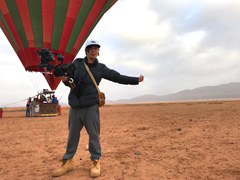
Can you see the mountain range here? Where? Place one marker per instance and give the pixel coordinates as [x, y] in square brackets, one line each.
[224, 91]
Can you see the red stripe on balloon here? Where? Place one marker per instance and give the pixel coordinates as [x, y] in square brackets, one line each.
[21, 56]
[8, 18]
[3, 7]
[47, 21]
[31, 65]
[26, 21]
[35, 57]
[96, 9]
[73, 9]
[8, 36]
[53, 81]
[23, 10]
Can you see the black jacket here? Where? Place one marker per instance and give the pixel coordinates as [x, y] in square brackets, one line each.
[88, 94]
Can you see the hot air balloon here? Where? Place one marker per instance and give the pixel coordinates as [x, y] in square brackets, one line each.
[62, 26]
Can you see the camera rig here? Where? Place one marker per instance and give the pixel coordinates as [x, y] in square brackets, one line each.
[48, 62]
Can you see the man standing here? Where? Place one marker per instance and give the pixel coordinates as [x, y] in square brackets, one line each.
[84, 109]
[28, 107]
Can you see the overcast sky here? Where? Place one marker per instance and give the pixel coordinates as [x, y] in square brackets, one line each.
[176, 45]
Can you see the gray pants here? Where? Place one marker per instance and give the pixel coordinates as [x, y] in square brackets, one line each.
[88, 117]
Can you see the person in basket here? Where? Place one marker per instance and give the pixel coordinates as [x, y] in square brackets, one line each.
[84, 106]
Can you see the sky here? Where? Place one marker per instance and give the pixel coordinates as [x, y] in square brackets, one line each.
[175, 45]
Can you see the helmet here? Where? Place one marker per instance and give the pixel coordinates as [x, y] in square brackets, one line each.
[92, 42]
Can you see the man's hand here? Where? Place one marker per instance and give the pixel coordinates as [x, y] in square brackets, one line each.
[63, 78]
[141, 78]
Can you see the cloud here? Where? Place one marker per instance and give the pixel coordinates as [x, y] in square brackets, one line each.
[185, 44]
[216, 18]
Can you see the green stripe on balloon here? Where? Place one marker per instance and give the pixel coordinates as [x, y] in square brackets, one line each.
[107, 5]
[17, 21]
[81, 18]
[35, 10]
[61, 7]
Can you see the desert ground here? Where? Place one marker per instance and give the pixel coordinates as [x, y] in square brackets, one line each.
[149, 141]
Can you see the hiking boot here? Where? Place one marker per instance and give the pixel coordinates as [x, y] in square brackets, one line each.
[67, 166]
[95, 170]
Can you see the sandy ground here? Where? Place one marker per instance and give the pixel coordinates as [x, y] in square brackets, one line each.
[162, 141]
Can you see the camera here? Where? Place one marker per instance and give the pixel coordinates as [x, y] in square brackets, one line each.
[64, 70]
[48, 62]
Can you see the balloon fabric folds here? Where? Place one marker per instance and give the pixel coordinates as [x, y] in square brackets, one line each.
[60, 25]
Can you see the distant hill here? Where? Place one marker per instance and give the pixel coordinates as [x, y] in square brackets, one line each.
[224, 91]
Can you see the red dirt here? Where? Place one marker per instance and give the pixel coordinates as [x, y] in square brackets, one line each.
[184, 140]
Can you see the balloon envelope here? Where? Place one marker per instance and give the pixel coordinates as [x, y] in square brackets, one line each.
[60, 25]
